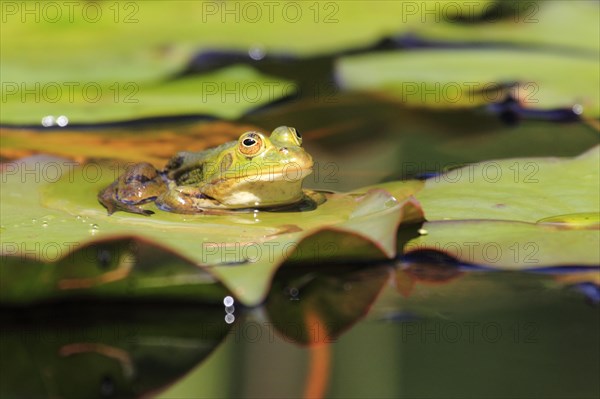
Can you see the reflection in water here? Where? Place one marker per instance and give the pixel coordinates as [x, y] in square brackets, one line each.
[111, 350]
[475, 333]
[408, 274]
[313, 306]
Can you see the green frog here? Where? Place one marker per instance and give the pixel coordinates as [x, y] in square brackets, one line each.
[255, 171]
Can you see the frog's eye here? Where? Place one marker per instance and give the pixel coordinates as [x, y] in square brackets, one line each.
[285, 135]
[298, 135]
[250, 144]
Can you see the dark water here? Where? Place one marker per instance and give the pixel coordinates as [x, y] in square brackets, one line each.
[383, 331]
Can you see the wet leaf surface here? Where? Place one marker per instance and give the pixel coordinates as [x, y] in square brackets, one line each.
[505, 223]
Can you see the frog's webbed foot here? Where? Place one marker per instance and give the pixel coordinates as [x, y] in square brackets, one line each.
[140, 184]
[110, 200]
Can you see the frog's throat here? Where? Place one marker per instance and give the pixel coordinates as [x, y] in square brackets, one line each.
[291, 174]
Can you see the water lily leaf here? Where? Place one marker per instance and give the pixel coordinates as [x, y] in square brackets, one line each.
[507, 218]
[568, 26]
[55, 68]
[226, 93]
[473, 77]
[155, 47]
[242, 250]
[523, 189]
[509, 244]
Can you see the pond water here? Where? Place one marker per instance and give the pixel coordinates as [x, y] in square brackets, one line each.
[385, 331]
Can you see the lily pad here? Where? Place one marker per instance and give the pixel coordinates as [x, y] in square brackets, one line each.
[141, 39]
[242, 250]
[567, 26]
[227, 93]
[468, 78]
[515, 213]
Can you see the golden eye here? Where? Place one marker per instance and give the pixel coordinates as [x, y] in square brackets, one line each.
[250, 144]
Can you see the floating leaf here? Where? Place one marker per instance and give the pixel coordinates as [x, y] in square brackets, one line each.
[242, 250]
[155, 47]
[488, 213]
[226, 93]
[469, 78]
[570, 27]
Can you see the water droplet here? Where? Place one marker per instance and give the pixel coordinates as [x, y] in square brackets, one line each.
[48, 121]
[423, 232]
[34, 221]
[229, 318]
[94, 227]
[62, 121]
[578, 109]
[228, 301]
[44, 224]
[78, 217]
[229, 309]
[257, 52]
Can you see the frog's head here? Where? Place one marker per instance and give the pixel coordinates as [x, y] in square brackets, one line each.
[261, 171]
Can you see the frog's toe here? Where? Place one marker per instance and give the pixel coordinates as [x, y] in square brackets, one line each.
[112, 206]
[134, 209]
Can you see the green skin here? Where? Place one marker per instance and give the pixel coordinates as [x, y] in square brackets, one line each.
[253, 172]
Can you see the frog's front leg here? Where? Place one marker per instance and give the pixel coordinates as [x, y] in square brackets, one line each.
[184, 199]
[140, 184]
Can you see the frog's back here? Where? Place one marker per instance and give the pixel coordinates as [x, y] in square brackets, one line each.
[192, 164]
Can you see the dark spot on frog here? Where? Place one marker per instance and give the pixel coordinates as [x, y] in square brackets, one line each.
[190, 177]
[139, 178]
[175, 162]
[500, 206]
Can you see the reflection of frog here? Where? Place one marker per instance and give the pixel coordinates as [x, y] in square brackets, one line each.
[253, 172]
